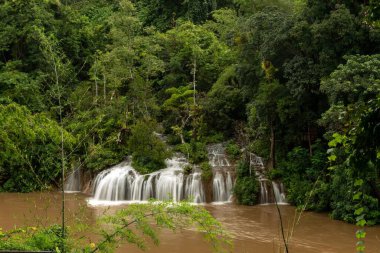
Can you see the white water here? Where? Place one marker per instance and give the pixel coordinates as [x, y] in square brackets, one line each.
[194, 187]
[222, 183]
[72, 183]
[269, 192]
[264, 196]
[279, 192]
[219, 187]
[124, 183]
[217, 156]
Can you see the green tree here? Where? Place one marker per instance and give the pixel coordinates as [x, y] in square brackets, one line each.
[246, 188]
[30, 145]
[148, 151]
[353, 90]
[180, 106]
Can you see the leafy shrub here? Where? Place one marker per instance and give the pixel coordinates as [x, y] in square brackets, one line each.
[342, 204]
[195, 151]
[187, 170]
[233, 150]
[260, 147]
[102, 132]
[246, 190]
[305, 178]
[148, 151]
[214, 137]
[206, 171]
[29, 144]
[33, 239]
[246, 187]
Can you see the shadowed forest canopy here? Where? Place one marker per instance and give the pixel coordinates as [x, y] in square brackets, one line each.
[296, 82]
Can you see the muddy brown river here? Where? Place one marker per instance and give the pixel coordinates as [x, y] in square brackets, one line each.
[254, 229]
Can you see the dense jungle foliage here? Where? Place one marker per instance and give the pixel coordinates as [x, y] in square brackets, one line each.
[294, 81]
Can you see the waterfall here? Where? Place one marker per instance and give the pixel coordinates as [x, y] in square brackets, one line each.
[169, 185]
[217, 156]
[116, 184]
[279, 192]
[269, 192]
[229, 186]
[194, 187]
[219, 188]
[122, 182]
[73, 181]
[264, 199]
[222, 183]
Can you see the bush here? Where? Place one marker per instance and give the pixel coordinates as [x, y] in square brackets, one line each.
[29, 145]
[148, 151]
[206, 171]
[342, 204]
[246, 187]
[233, 150]
[305, 178]
[195, 151]
[246, 190]
[33, 239]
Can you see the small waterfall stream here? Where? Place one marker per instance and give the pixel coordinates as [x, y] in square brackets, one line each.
[73, 181]
[123, 183]
[279, 192]
[270, 191]
[222, 183]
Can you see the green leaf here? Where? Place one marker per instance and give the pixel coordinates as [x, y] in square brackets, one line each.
[332, 158]
[361, 223]
[360, 234]
[332, 143]
[357, 196]
[359, 211]
[360, 248]
[358, 182]
[360, 217]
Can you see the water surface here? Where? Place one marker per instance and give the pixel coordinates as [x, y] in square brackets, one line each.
[255, 229]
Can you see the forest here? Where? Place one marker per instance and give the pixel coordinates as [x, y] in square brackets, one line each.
[296, 82]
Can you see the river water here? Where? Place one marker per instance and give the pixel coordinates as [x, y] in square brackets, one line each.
[255, 229]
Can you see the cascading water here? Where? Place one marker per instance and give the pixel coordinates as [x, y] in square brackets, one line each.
[219, 187]
[264, 197]
[229, 186]
[222, 183]
[73, 181]
[122, 182]
[115, 184]
[194, 187]
[269, 192]
[279, 192]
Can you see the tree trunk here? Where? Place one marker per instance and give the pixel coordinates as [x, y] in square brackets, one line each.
[194, 77]
[309, 140]
[272, 158]
[104, 88]
[96, 89]
[182, 139]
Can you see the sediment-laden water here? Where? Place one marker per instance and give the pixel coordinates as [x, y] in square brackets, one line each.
[255, 229]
